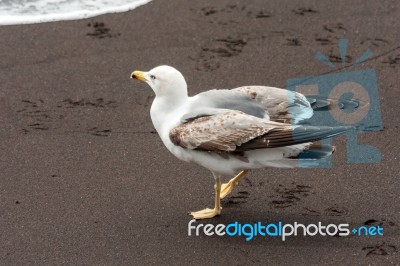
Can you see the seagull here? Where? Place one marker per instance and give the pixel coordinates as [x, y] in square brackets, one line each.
[232, 131]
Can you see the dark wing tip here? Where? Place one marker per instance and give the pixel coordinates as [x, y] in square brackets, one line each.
[287, 136]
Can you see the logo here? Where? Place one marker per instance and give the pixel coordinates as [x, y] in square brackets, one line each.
[280, 229]
[343, 99]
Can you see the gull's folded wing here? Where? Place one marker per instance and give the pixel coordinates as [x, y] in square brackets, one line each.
[292, 107]
[237, 131]
[281, 105]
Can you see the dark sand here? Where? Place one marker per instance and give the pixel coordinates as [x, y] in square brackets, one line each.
[85, 180]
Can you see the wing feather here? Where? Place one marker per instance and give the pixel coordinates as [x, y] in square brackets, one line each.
[237, 131]
[220, 132]
[281, 105]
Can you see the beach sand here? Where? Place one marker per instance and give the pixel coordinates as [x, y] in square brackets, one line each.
[85, 179]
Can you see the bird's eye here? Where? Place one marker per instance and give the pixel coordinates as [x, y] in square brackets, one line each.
[152, 77]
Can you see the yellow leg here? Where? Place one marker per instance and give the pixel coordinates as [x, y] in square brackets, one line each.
[210, 213]
[227, 188]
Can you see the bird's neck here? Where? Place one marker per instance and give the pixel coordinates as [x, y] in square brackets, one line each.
[163, 109]
[171, 101]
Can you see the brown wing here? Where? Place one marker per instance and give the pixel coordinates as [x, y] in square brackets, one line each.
[237, 131]
[292, 107]
[281, 105]
[220, 132]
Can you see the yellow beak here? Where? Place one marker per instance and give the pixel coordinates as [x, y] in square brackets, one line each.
[139, 75]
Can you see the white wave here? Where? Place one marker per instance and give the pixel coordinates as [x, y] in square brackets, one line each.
[37, 11]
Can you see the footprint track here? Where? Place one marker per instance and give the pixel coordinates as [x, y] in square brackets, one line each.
[99, 102]
[100, 31]
[208, 59]
[35, 114]
[336, 210]
[99, 132]
[301, 11]
[392, 61]
[239, 199]
[38, 115]
[381, 249]
[290, 196]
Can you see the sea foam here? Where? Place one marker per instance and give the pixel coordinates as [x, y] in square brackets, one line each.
[14, 12]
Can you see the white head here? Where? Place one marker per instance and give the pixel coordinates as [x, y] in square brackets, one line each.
[165, 81]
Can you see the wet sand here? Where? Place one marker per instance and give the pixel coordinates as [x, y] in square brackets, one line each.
[85, 179]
